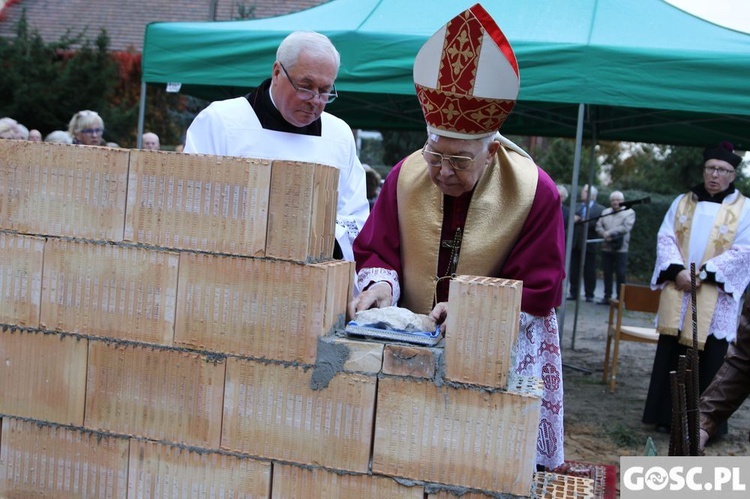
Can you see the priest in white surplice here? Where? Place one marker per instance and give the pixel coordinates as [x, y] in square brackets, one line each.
[284, 118]
[710, 227]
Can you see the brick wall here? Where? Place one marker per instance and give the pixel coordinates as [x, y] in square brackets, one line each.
[158, 339]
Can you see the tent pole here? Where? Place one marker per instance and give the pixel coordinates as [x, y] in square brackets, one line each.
[141, 115]
[581, 267]
[571, 217]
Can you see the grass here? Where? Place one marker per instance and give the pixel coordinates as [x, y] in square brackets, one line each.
[623, 436]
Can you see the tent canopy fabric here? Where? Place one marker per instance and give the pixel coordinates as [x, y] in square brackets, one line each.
[647, 71]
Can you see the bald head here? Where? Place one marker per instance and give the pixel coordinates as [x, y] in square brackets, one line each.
[151, 141]
[35, 135]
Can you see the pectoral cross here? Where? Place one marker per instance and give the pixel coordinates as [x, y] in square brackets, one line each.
[455, 247]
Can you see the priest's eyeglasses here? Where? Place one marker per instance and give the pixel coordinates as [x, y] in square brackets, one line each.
[307, 94]
[435, 160]
[722, 172]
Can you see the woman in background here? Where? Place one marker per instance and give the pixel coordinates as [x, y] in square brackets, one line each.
[86, 128]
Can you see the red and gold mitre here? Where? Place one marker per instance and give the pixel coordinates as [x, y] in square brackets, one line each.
[466, 77]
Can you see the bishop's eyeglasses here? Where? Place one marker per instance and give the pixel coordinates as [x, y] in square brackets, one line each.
[307, 94]
[435, 159]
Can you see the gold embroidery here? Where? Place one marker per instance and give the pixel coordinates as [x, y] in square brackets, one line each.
[720, 240]
[496, 215]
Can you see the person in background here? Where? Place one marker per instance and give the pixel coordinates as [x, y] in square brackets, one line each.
[614, 227]
[709, 227]
[22, 133]
[284, 118]
[87, 128]
[35, 135]
[471, 202]
[587, 210]
[59, 137]
[7, 131]
[563, 191]
[150, 141]
[373, 180]
[18, 131]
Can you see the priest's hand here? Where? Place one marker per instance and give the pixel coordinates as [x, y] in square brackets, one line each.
[439, 314]
[704, 439]
[378, 295]
[682, 281]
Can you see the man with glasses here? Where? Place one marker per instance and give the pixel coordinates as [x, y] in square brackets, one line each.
[709, 227]
[284, 118]
[471, 202]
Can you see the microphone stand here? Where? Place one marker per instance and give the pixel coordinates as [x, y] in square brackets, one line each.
[585, 223]
[594, 219]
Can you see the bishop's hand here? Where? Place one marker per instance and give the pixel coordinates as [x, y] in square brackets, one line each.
[378, 295]
[439, 314]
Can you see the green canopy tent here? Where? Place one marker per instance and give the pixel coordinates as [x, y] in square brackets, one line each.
[646, 71]
[640, 70]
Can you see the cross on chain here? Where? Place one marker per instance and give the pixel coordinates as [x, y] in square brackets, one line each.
[455, 247]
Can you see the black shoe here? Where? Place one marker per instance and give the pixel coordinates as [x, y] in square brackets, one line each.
[603, 301]
[662, 429]
[571, 297]
[714, 439]
[589, 299]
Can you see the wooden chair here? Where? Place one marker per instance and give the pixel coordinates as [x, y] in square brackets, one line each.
[638, 299]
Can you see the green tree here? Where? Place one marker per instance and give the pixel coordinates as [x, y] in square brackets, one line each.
[557, 158]
[371, 153]
[165, 112]
[84, 75]
[664, 170]
[81, 79]
[397, 144]
[28, 66]
[742, 182]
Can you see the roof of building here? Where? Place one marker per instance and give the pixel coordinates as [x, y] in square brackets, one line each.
[125, 20]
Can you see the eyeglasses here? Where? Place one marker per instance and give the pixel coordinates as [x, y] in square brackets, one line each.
[435, 160]
[93, 131]
[307, 94]
[722, 172]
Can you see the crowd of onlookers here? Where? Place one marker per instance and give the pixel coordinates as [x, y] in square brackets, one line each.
[85, 127]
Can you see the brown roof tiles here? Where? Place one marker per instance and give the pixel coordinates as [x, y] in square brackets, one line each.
[126, 20]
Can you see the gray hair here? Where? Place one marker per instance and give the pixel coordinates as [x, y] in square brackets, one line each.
[593, 191]
[84, 119]
[23, 132]
[7, 126]
[563, 191]
[617, 195]
[59, 136]
[311, 42]
[485, 140]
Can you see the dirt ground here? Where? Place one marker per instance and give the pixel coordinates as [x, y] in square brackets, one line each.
[599, 426]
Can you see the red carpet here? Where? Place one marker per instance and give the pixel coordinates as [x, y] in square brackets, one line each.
[604, 476]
